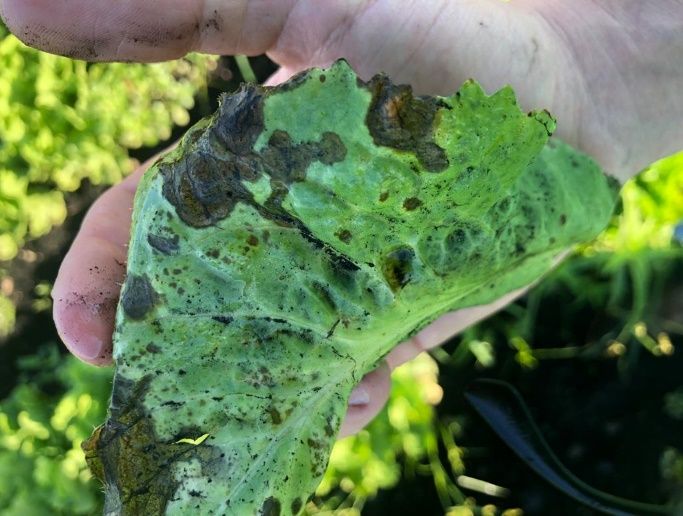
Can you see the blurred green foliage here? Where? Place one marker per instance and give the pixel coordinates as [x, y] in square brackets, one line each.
[401, 436]
[42, 424]
[63, 121]
[7, 316]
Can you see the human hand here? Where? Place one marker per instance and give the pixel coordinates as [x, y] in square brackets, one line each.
[590, 63]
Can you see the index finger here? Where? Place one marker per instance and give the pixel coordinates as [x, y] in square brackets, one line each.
[139, 30]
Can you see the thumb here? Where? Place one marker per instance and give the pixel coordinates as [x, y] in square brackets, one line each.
[366, 400]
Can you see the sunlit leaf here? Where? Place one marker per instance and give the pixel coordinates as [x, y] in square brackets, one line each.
[286, 246]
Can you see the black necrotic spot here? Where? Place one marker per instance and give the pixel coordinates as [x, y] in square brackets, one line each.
[223, 319]
[270, 507]
[138, 296]
[164, 245]
[397, 267]
[296, 506]
[240, 120]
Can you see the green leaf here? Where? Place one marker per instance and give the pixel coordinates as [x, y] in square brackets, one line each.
[286, 246]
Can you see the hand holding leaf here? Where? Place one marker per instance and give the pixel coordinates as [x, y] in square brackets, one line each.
[286, 246]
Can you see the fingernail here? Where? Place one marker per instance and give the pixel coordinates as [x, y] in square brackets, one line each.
[359, 396]
[89, 347]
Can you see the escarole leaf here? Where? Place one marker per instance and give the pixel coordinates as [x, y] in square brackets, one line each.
[288, 243]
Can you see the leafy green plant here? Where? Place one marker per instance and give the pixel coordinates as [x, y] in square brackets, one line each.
[63, 121]
[42, 424]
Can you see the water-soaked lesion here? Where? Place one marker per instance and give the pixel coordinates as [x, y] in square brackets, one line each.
[398, 267]
[398, 119]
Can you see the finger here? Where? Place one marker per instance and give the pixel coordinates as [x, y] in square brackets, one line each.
[452, 323]
[366, 400]
[86, 290]
[445, 327]
[371, 394]
[146, 31]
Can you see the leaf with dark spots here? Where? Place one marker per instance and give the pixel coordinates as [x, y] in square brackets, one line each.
[312, 237]
[204, 186]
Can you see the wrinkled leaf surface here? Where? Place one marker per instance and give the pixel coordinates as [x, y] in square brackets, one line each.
[287, 244]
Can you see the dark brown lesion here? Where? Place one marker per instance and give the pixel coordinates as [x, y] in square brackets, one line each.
[271, 507]
[206, 182]
[344, 235]
[287, 162]
[162, 244]
[398, 267]
[412, 203]
[132, 462]
[138, 297]
[398, 119]
[296, 506]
